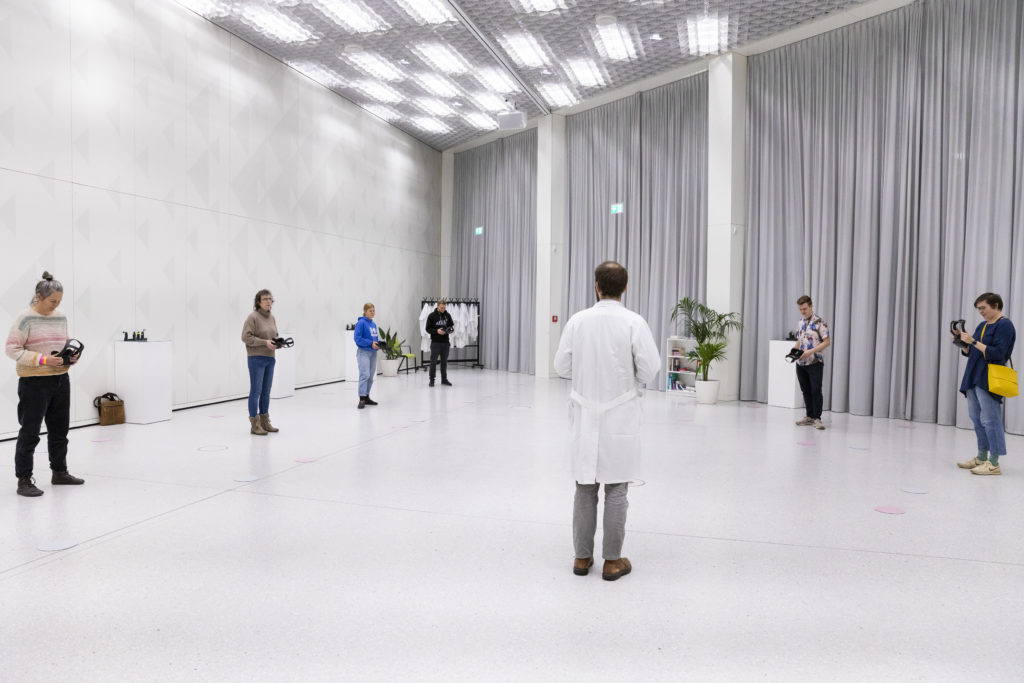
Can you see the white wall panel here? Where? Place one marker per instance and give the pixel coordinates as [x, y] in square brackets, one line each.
[35, 227]
[165, 171]
[100, 292]
[35, 112]
[102, 94]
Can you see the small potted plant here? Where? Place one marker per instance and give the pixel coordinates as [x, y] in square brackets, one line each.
[392, 349]
[710, 329]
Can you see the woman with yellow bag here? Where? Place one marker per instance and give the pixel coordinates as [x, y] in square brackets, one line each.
[987, 380]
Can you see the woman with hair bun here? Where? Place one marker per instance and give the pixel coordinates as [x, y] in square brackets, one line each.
[258, 334]
[44, 390]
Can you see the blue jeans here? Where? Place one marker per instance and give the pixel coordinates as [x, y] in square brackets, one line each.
[261, 377]
[367, 360]
[987, 415]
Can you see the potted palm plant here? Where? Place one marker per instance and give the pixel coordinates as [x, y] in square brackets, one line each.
[392, 349]
[710, 329]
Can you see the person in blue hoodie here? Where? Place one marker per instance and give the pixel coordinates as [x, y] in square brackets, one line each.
[366, 355]
[992, 342]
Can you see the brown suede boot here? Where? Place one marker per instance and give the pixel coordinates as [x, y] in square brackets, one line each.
[616, 569]
[581, 565]
[255, 428]
[265, 423]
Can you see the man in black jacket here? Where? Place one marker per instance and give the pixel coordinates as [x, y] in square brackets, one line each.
[440, 326]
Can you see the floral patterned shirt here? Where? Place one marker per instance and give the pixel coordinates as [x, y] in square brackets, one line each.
[809, 333]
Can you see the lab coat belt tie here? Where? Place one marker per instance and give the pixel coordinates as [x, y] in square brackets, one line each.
[596, 408]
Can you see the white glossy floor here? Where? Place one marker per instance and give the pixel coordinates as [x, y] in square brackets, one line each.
[429, 539]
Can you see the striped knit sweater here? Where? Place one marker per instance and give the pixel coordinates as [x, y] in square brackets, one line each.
[33, 335]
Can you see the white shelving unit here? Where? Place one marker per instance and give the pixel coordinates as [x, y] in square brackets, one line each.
[679, 378]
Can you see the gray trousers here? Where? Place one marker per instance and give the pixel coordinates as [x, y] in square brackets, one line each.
[584, 519]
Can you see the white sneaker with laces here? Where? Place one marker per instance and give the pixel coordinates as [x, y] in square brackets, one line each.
[986, 468]
[970, 464]
[817, 424]
[806, 422]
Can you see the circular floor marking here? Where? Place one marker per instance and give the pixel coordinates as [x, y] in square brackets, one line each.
[305, 459]
[890, 510]
[914, 489]
[804, 443]
[905, 426]
[211, 448]
[858, 448]
[55, 544]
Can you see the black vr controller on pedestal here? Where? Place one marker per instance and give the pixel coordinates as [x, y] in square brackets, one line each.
[72, 350]
[793, 355]
[283, 343]
[957, 328]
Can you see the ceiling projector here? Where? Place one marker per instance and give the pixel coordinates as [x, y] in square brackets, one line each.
[511, 120]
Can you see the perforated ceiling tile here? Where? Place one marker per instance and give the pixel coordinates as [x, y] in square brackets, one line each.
[422, 65]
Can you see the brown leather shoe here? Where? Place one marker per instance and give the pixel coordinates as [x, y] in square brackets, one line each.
[616, 569]
[581, 565]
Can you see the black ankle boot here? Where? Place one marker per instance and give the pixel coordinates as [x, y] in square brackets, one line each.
[63, 478]
[369, 401]
[27, 487]
[362, 402]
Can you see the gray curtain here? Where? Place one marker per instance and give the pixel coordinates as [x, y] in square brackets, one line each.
[885, 181]
[496, 189]
[649, 153]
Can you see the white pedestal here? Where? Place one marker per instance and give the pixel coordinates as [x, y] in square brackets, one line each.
[783, 387]
[351, 366]
[284, 371]
[144, 379]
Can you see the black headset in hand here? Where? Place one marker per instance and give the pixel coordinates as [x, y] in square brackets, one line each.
[957, 332]
[72, 349]
[282, 343]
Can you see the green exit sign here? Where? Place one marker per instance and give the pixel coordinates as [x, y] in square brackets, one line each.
[478, 231]
[616, 208]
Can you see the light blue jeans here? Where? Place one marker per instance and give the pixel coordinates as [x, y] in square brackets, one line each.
[367, 361]
[987, 415]
[261, 378]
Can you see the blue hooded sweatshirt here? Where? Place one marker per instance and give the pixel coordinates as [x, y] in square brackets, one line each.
[366, 333]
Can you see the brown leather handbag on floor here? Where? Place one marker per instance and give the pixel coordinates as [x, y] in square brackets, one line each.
[111, 409]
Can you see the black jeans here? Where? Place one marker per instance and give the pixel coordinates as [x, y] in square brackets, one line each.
[43, 399]
[809, 377]
[439, 349]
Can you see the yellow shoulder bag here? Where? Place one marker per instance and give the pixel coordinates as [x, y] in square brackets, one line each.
[1002, 380]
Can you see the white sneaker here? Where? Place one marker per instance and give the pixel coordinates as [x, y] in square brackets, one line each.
[970, 464]
[817, 424]
[986, 468]
[806, 422]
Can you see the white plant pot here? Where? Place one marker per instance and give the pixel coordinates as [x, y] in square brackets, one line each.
[390, 367]
[707, 392]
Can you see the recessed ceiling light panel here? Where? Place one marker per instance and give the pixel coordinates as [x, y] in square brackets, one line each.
[481, 121]
[585, 72]
[442, 57]
[705, 35]
[557, 95]
[496, 80]
[430, 125]
[435, 107]
[274, 24]
[374, 65]
[427, 11]
[524, 49]
[378, 91]
[613, 40]
[489, 101]
[352, 15]
[436, 84]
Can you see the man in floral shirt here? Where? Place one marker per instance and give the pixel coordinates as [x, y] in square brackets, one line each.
[812, 337]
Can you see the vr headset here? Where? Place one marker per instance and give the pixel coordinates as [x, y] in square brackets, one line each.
[72, 349]
[957, 328]
[793, 355]
[283, 343]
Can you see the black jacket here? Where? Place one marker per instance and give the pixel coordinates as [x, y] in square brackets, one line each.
[439, 321]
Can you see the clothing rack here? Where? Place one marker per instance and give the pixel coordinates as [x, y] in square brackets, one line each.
[475, 362]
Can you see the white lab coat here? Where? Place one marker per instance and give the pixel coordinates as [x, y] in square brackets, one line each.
[424, 335]
[609, 353]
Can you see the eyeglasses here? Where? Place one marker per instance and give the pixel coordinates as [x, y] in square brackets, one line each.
[268, 298]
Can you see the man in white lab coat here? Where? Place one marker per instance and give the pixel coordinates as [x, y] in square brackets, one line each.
[609, 353]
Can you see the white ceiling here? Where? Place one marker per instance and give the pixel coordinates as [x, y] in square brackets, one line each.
[441, 69]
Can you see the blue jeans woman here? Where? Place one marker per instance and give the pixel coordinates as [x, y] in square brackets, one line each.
[258, 334]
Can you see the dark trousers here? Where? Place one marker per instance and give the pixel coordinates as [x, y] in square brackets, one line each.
[439, 349]
[809, 377]
[43, 399]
